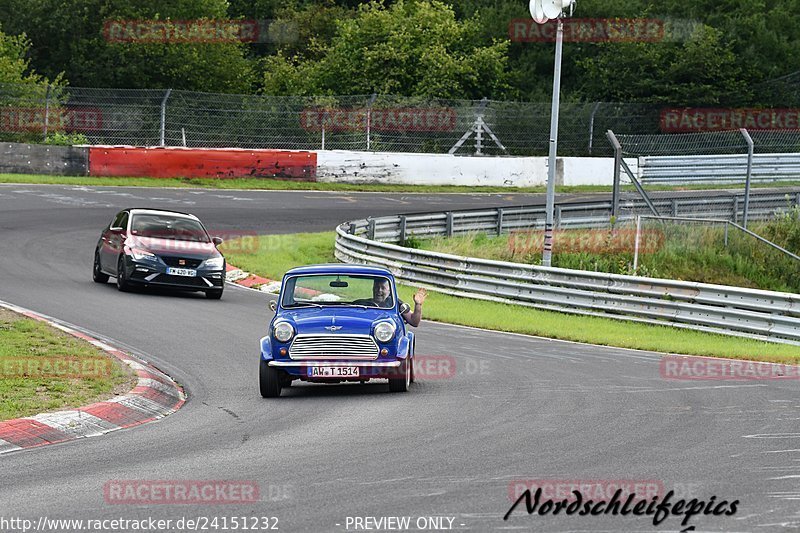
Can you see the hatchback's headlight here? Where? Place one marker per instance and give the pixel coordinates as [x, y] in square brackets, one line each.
[143, 255]
[214, 263]
[384, 331]
[283, 331]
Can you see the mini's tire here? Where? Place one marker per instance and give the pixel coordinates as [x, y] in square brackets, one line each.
[215, 294]
[269, 381]
[97, 275]
[402, 383]
[123, 285]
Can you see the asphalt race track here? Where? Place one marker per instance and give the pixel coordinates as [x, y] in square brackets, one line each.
[515, 408]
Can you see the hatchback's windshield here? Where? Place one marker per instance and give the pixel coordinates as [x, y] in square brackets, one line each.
[167, 227]
[369, 291]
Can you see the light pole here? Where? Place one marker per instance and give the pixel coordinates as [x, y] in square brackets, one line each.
[542, 11]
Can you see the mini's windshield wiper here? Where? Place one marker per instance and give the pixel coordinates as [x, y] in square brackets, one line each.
[303, 304]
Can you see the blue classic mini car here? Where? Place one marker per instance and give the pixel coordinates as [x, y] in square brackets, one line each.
[337, 323]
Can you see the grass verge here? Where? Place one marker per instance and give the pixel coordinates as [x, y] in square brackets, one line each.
[271, 256]
[276, 184]
[286, 185]
[44, 369]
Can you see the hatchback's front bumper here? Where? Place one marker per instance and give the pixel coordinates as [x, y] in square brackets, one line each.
[155, 274]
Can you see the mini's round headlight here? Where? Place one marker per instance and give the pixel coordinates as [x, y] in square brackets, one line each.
[283, 331]
[384, 331]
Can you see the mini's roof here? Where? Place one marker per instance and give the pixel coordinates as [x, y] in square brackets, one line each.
[340, 268]
[146, 211]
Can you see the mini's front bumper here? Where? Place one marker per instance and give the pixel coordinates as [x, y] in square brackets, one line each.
[367, 369]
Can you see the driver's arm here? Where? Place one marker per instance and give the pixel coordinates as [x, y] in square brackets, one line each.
[413, 318]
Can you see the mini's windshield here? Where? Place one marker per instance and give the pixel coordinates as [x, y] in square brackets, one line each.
[315, 290]
[167, 227]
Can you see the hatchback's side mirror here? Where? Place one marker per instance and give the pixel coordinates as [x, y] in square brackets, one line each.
[404, 308]
[217, 240]
[273, 305]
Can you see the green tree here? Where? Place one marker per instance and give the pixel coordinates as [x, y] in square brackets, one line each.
[700, 71]
[414, 48]
[14, 64]
[69, 36]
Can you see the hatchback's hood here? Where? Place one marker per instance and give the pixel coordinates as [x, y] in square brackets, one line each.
[171, 247]
[352, 320]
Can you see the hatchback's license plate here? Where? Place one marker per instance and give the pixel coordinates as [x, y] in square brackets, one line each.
[185, 272]
[332, 371]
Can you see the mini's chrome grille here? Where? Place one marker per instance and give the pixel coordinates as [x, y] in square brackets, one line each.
[333, 346]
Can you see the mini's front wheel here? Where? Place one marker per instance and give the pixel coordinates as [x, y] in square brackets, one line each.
[402, 383]
[269, 381]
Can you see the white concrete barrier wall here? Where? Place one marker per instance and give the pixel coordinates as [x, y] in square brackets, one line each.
[444, 169]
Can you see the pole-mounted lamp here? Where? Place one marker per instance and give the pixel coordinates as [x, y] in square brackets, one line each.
[542, 11]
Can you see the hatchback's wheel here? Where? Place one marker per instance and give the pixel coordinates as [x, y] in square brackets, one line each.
[122, 281]
[269, 381]
[215, 294]
[97, 274]
[402, 383]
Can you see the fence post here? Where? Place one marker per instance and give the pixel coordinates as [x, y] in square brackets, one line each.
[636, 244]
[500, 220]
[750, 148]
[617, 164]
[164, 115]
[369, 116]
[797, 200]
[735, 209]
[591, 126]
[449, 226]
[557, 223]
[674, 207]
[46, 111]
[352, 228]
[402, 229]
[371, 229]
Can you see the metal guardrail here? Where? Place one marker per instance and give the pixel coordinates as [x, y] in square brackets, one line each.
[499, 220]
[759, 314]
[718, 168]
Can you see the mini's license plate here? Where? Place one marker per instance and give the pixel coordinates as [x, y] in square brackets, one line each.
[333, 371]
[185, 272]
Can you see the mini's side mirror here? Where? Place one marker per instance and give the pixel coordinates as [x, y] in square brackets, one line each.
[404, 308]
[273, 305]
[217, 240]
